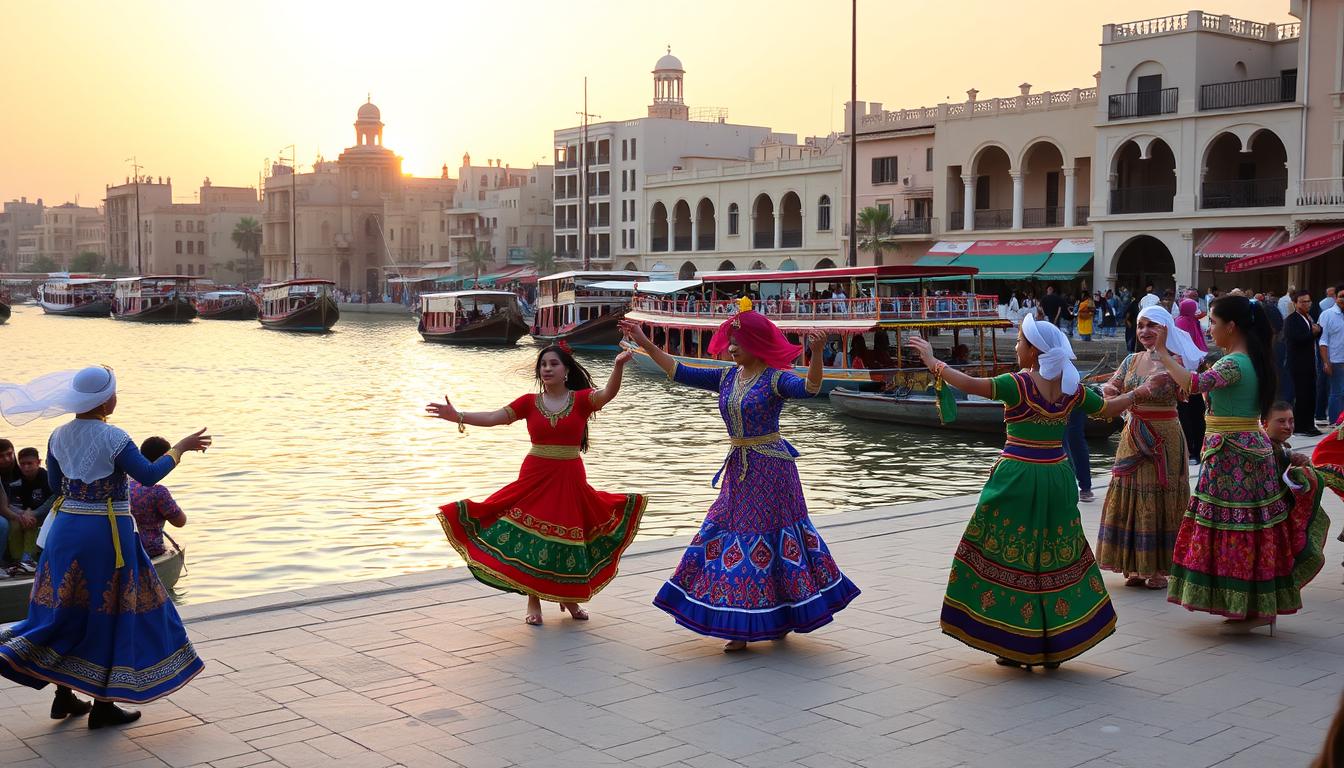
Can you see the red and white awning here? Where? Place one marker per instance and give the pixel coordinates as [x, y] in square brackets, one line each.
[1312, 242]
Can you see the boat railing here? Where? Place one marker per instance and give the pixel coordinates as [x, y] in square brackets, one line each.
[867, 308]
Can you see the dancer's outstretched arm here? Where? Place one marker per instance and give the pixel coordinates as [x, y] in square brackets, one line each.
[816, 342]
[447, 412]
[608, 393]
[635, 333]
[971, 385]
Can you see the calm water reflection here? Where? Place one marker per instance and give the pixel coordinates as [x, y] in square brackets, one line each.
[324, 469]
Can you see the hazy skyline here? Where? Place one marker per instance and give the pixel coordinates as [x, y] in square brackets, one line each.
[195, 90]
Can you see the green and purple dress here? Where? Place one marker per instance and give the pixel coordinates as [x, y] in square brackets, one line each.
[1024, 584]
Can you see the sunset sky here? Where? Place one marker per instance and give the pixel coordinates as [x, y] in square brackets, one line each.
[196, 89]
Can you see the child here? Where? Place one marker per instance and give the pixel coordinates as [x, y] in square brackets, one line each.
[1279, 425]
[152, 505]
[30, 497]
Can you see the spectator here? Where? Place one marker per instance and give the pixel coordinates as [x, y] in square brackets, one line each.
[1052, 306]
[11, 522]
[1132, 322]
[1332, 354]
[1107, 305]
[30, 498]
[1149, 297]
[1086, 311]
[1301, 352]
[1075, 444]
[153, 505]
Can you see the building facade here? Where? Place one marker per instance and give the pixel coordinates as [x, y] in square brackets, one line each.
[17, 217]
[196, 239]
[65, 231]
[120, 203]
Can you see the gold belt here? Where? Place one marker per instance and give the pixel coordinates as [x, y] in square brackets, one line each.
[561, 452]
[747, 442]
[112, 515]
[1214, 423]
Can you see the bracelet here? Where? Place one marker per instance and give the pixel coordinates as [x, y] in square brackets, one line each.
[461, 425]
[939, 368]
[176, 453]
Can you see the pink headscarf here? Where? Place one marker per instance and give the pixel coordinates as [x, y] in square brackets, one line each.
[757, 336]
[1188, 321]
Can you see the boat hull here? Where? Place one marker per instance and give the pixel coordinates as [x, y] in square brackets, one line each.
[598, 333]
[4, 312]
[831, 377]
[177, 311]
[317, 317]
[504, 331]
[14, 592]
[241, 310]
[919, 410]
[100, 308]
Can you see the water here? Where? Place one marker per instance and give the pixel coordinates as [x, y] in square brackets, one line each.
[324, 468]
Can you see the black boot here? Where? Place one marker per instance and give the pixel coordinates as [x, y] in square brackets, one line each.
[67, 704]
[109, 714]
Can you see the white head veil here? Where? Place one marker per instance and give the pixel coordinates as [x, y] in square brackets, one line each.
[57, 393]
[1178, 340]
[1056, 353]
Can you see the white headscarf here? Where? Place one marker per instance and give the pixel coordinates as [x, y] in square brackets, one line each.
[1057, 356]
[56, 394]
[1178, 341]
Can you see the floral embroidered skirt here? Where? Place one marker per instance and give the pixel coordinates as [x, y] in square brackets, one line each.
[1141, 514]
[757, 569]
[1247, 545]
[547, 534]
[1024, 584]
[104, 631]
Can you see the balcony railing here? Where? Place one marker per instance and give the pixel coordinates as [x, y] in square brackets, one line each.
[1039, 218]
[763, 240]
[1244, 193]
[681, 243]
[885, 308]
[912, 226]
[792, 238]
[1248, 93]
[1081, 215]
[1318, 192]
[1121, 106]
[994, 218]
[1142, 199]
[957, 221]
[704, 243]
[659, 244]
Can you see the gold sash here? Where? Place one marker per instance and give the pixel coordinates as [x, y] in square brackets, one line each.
[559, 452]
[1224, 424]
[747, 442]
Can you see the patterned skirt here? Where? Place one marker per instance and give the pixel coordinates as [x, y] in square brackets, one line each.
[1246, 545]
[1024, 584]
[108, 632]
[757, 569]
[1149, 491]
[547, 534]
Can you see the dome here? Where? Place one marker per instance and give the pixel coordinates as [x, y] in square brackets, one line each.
[369, 111]
[668, 62]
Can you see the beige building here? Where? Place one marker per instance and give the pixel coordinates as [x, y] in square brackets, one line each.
[414, 220]
[18, 216]
[120, 204]
[196, 239]
[503, 209]
[65, 231]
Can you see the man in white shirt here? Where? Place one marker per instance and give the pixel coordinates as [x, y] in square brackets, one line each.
[1329, 300]
[1331, 349]
[1286, 301]
[1149, 299]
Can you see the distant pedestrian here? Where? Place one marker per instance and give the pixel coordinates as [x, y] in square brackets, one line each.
[1301, 352]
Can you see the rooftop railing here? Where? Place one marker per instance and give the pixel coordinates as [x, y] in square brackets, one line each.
[1248, 93]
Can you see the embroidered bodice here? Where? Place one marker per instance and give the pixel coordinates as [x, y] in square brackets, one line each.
[1165, 391]
[562, 427]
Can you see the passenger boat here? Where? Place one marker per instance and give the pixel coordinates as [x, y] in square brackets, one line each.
[876, 300]
[226, 305]
[571, 308]
[14, 591]
[917, 409]
[154, 299]
[76, 296]
[299, 305]
[471, 317]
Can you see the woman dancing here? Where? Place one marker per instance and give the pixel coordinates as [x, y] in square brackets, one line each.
[1150, 482]
[1024, 585]
[99, 621]
[1244, 550]
[548, 534]
[757, 569]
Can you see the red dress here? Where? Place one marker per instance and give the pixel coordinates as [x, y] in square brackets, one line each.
[548, 533]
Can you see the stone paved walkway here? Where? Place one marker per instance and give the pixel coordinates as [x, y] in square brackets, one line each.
[434, 670]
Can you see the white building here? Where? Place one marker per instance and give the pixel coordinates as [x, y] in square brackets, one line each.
[618, 155]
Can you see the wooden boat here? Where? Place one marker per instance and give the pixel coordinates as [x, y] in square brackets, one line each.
[5, 311]
[14, 591]
[76, 296]
[681, 316]
[471, 317]
[226, 305]
[571, 308]
[299, 305]
[154, 299]
[917, 409]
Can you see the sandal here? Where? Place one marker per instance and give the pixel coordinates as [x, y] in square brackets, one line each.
[532, 620]
[1156, 582]
[1135, 581]
[733, 646]
[578, 613]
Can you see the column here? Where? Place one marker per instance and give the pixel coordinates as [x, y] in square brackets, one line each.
[1017, 198]
[968, 202]
[695, 234]
[779, 229]
[670, 245]
[1069, 207]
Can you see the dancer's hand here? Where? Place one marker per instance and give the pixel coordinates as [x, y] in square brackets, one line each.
[1160, 347]
[623, 358]
[633, 331]
[922, 348]
[815, 340]
[444, 410]
[196, 441]
[1299, 460]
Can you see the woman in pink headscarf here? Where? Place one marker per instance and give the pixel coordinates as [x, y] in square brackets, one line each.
[1191, 410]
[757, 569]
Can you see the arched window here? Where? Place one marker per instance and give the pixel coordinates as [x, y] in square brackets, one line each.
[732, 219]
[824, 214]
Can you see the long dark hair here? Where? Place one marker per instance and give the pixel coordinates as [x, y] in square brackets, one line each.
[1249, 318]
[576, 377]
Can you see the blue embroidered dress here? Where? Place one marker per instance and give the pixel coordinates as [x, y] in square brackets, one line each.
[757, 569]
[99, 620]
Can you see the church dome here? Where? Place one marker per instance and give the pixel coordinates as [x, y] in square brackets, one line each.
[369, 111]
[668, 62]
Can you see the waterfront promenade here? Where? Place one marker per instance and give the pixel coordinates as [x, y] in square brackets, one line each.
[434, 670]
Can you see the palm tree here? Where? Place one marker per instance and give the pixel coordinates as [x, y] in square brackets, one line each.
[477, 259]
[543, 260]
[874, 224]
[247, 236]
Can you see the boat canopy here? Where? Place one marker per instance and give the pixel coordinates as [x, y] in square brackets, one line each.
[596, 275]
[220, 295]
[660, 287]
[449, 301]
[278, 291]
[837, 274]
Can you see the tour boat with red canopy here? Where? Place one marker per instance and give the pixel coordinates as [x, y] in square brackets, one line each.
[299, 305]
[471, 317]
[154, 299]
[574, 308]
[76, 296]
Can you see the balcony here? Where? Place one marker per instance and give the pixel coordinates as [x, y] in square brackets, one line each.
[912, 226]
[1142, 200]
[1041, 218]
[1248, 93]
[1321, 192]
[763, 240]
[681, 243]
[791, 238]
[957, 221]
[705, 243]
[994, 218]
[659, 244]
[1081, 215]
[1122, 106]
[1244, 193]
